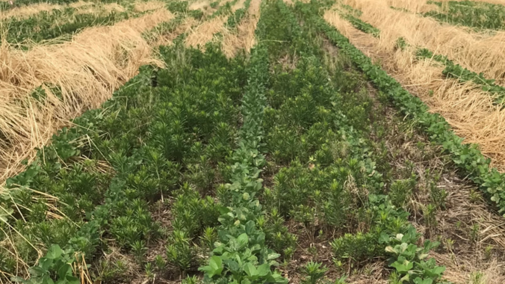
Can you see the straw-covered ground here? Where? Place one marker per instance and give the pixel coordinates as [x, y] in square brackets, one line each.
[250, 141]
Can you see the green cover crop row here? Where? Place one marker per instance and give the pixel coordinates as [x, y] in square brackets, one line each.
[234, 150]
[464, 75]
[452, 69]
[308, 123]
[478, 15]
[165, 133]
[56, 23]
[237, 17]
[467, 157]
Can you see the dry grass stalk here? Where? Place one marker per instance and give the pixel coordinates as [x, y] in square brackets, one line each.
[80, 4]
[239, 4]
[205, 32]
[185, 27]
[188, 24]
[82, 8]
[100, 9]
[27, 11]
[244, 37]
[468, 109]
[472, 235]
[421, 6]
[501, 2]
[197, 5]
[477, 52]
[88, 70]
[465, 257]
[147, 6]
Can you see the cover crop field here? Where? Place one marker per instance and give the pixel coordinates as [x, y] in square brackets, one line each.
[252, 141]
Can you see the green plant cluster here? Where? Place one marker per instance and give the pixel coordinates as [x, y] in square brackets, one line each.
[224, 9]
[233, 149]
[165, 133]
[178, 6]
[240, 254]
[57, 263]
[362, 25]
[455, 70]
[4, 6]
[479, 15]
[48, 25]
[467, 157]
[334, 181]
[236, 18]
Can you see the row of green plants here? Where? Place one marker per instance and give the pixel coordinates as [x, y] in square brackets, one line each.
[5, 5]
[239, 14]
[360, 24]
[478, 15]
[144, 143]
[52, 24]
[241, 255]
[223, 9]
[166, 133]
[317, 145]
[454, 70]
[467, 157]
[182, 7]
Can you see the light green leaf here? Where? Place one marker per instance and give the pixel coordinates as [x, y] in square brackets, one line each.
[54, 252]
[250, 270]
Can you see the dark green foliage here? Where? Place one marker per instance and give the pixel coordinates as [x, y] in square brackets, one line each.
[56, 264]
[147, 141]
[224, 9]
[467, 157]
[42, 25]
[362, 25]
[197, 14]
[314, 271]
[479, 15]
[236, 18]
[178, 6]
[241, 255]
[455, 70]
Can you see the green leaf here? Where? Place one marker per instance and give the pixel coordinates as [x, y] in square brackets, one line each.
[263, 270]
[72, 280]
[403, 267]
[215, 266]
[250, 269]
[419, 280]
[272, 255]
[54, 252]
[64, 270]
[242, 240]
